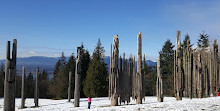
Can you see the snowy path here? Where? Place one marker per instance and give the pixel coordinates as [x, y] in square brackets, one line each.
[99, 104]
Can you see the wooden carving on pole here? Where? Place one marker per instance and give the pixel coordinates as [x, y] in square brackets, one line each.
[23, 89]
[178, 74]
[10, 74]
[77, 78]
[114, 73]
[159, 84]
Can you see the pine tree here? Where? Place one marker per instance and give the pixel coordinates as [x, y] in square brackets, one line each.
[60, 64]
[203, 41]
[85, 59]
[96, 79]
[43, 84]
[63, 78]
[150, 80]
[29, 86]
[57, 84]
[56, 69]
[187, 38]
[167, 58]
[18, 86]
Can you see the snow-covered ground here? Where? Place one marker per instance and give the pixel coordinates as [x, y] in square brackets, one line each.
[99, 104]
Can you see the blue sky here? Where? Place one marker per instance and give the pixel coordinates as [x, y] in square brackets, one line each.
[48, 27]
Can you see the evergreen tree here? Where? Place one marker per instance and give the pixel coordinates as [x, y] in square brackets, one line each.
[167, 59]
[85, 59]
[18, 86]
[57, 68]
[187, 38]
[56, 84]
[43, 84]
[203, 41]
[63, 78]
[2, 75]
[29, 86]
[150, 80]
[96, 79]
[60, 64]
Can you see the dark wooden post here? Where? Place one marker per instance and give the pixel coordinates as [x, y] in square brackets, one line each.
[10, 73]
[23, 89]
[69, 88]
[77, 79]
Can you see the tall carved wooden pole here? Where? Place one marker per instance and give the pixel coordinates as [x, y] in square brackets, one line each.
[211, 76]
[179, 74]
[216, 66]
[200, 77]
[114, 76]
[121, 88]
[36, 94]
[189, 67]
[133, 81]
[206, 79]
[159, 85]
[77, 79]
[69, 88]
[23, 89]
[185, 73]
[195, 69]
[139, 75]
[175, 73]
[131, 75]
[10, 73]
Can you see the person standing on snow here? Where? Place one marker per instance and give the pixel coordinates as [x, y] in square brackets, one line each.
[89, 102]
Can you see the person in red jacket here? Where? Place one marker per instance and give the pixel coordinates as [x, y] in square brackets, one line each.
[89, 102]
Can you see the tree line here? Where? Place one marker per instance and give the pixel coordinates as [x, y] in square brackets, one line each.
[95, 74]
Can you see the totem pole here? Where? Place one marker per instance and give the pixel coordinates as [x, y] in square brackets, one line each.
[159, 85]
[195, 74]
[77, 79]
[10, 74]
[179, 73]
[23, 89]
[69, 88]
[139, 75]
[36, 94]
[200, 77]
[189, 69]
[216, 66]
[134, 81]
[174, 72]
[114, 76]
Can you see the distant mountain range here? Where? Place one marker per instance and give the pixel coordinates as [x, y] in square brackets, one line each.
[148, 62]
[48, 63]
[31, 63]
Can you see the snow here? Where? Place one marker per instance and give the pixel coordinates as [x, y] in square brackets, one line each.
[100, 104]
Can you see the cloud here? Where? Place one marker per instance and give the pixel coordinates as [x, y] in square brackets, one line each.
[31, 53]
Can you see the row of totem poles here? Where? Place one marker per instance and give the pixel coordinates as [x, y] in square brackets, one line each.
[10, 81]
[196, 71]
[124, 80]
